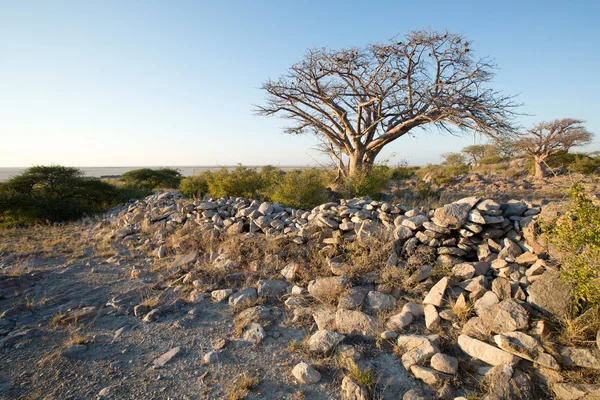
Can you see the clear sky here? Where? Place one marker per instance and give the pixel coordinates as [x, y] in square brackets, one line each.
[132, 83]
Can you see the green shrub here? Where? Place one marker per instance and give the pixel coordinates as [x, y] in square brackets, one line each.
[196, 185]
[152, 178]
[56, 193]
[369, 182]
[299, 189]
[585, 164]
[576, 236]
[402, 173]
[242, 181]
[441, 174]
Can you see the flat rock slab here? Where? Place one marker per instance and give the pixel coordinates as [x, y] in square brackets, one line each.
[576, 391]
[580, 357]
[357, 323]
[486, 352]
[168, 356]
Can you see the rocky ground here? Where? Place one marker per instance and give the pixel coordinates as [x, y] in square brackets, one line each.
[169, 298]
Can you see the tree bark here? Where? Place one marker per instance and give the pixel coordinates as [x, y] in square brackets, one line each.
[540, 168]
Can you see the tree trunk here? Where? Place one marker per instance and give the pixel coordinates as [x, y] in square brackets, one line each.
[359, 161]
[540, 168]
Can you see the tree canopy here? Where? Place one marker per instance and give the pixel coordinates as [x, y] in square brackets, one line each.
[359, 99]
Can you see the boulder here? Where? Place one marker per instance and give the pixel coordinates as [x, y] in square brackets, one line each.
[306, 374]
[429, 376]
[510, 317]
[415, 349]
[271, 288]
[324, 341]
[380, 301]
[357, 323]
[399, 321]
[436, 294]
[444, 363]
[328, 289]
[576, 391]
[353, 391]
[551, 295]
[526, 347]
[452, 215]
[580, 357]
[486, 352]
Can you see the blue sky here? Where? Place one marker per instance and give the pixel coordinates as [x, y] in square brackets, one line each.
[131, 83]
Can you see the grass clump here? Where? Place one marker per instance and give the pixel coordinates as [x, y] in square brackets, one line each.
[576, 236]
[242, 386]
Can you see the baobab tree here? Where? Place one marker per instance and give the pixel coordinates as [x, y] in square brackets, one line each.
[548, 138]
[359, 99]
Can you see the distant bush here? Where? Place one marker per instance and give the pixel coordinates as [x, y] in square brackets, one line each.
[242, 181]
[299, 188]
[585, 164]
[56, 193]
[576, 236]
[574, 162]
[404, 172]
[152, 178]
[196, 185]
[441, 174]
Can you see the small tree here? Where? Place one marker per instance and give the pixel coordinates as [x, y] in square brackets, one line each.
[474, 153]
[453, 159]
[358, 100]
[548, 138]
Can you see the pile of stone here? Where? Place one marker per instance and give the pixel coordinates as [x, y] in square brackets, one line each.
[499, 281]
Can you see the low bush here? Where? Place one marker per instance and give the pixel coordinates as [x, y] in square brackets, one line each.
[402, 173]
[242, 181]
[196, 185]
[370, 182]
[152, 178]
[576, 236]
[441, 174]
[299, 188]
[57, 193]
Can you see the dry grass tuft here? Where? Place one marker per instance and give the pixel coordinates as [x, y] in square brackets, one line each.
[580, 330]
[242, 386]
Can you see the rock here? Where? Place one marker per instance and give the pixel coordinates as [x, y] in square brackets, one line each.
[79, 315]
[436, 294]
[576, 391]
[254, 333]
[501, 286]
[526, 347]
[306, 374]
[580, 357]
[428, 375]
[485, 302]
[350, 322]
[511, 251]
[463, 271]
[73, 350]
[432, 318]
[152, 315]
[352, 391]
[403, 233]
[289, 271]
[327, 289]
[380, 301]
[416, 222]
[505, 383]
[485, 352]
[161, 252]
[453, 215]
[325, 318]
[551, 295]
[353, 298]
[399, 321]
[247, 296]
[185, 259]
[324, 341]
[444, 363]
[271, 288]
[416, 394]
[511, 316]
[527, 258]
[211, 357]
[415, 309]
[389, 335]
[415, 349]
[220, 295]
[140, 310]
[168, 356]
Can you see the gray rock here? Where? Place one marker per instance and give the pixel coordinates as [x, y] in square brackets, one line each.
[271, 288]
[576, 391]
[415, 309]
[74, 350]
[580, 357]
[324, 341]
[486, 352]
[453, 215]
[353, 298]
[246, 296]
[501, 286]
[325, 318]
[432, 318]
[415, 349]
[221, 294]
[380, 301]
[254, 333]
[511, 316]
[353, 391]
[350, 322]
[168, 357]
[429, 376]
[526, 347]
[416, 394]
[289, 271]
[306, 374]
[444, 363]
[551, 295]
[399, 321]
[463, 271]
[211, 357]
[506, 383]
[328, 289]
[436, 294]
